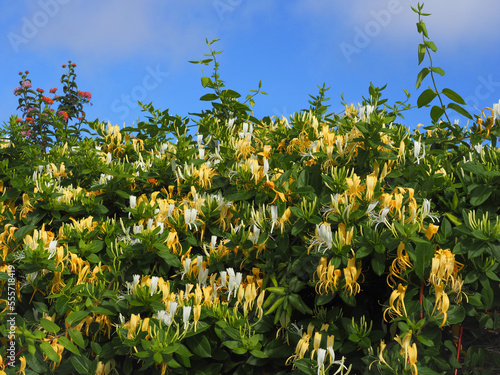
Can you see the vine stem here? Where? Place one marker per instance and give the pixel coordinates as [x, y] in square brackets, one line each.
[459, 347]
[432, 73]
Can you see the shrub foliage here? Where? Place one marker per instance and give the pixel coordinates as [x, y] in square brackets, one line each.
[322, 243]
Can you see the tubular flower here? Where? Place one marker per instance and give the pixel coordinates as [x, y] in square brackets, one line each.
[351, 275]
[381, 356]
[442, 303]
[322, 238]
[355, 188]
[303, 345]
[328, 277]
[399, 265]
[409, 351]
[397, 303]
[371, 181]
[444, 269]
[431, 231]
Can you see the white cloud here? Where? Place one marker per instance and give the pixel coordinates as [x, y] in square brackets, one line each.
[117, 29]
[451, 21]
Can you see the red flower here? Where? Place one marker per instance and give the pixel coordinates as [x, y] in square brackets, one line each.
[40, 91]
[27, 72]
[19, 120]
[47, 100]
[85, 95]
[64, 65]
[29, 119]
[52, 91]
[64, 115]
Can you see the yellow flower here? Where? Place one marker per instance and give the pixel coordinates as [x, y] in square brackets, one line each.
[444, 269]
[355, 188]
[399, 265]
[351, 275]
[431, 231]
[397, 303]
[409, 351]
[22, 366]
[380, 356]
[371, 182]
[442, 302]
[196, 315]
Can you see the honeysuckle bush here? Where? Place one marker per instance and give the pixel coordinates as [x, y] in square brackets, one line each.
[322, 243]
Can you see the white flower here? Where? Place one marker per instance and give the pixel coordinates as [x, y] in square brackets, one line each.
[365, 111]
[382, 218]
[416, 152]
[371, 207]
[187, 263]
[339, 362]
[133, 201]
[496, 110]
[202, 271]
[246, 131]
[478, 148]
[321, 359]
[154, 284]
[265, 168]
[190, 215]
[223, 278]
[186, 311]
[136, 279]
[254, 236]
[234, 282]
[52, 248]
[323, 237]
[273, 210]
[171, 207]
[426, 211]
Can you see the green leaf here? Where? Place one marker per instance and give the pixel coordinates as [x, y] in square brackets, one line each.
[231, 94]
[436, 113]
[23, 231]
[424, 252]
[421, 53]
[453, 96]
[158, 357]
[258, 354]
[429, 44]
[456, 314]
[425, 98]
[64, 341]
[49, 352]
[209, 97]
[439, 71]
[76, 317]
[205, 81]
[200, 346]
[81, 364]
[49, 326]
[460, 110]
[305, 365]
[480, 194]
[378, 263]
[421, 75]
[77, 337]
[421, 28]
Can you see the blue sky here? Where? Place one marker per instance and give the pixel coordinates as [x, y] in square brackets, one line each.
[139, 50]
